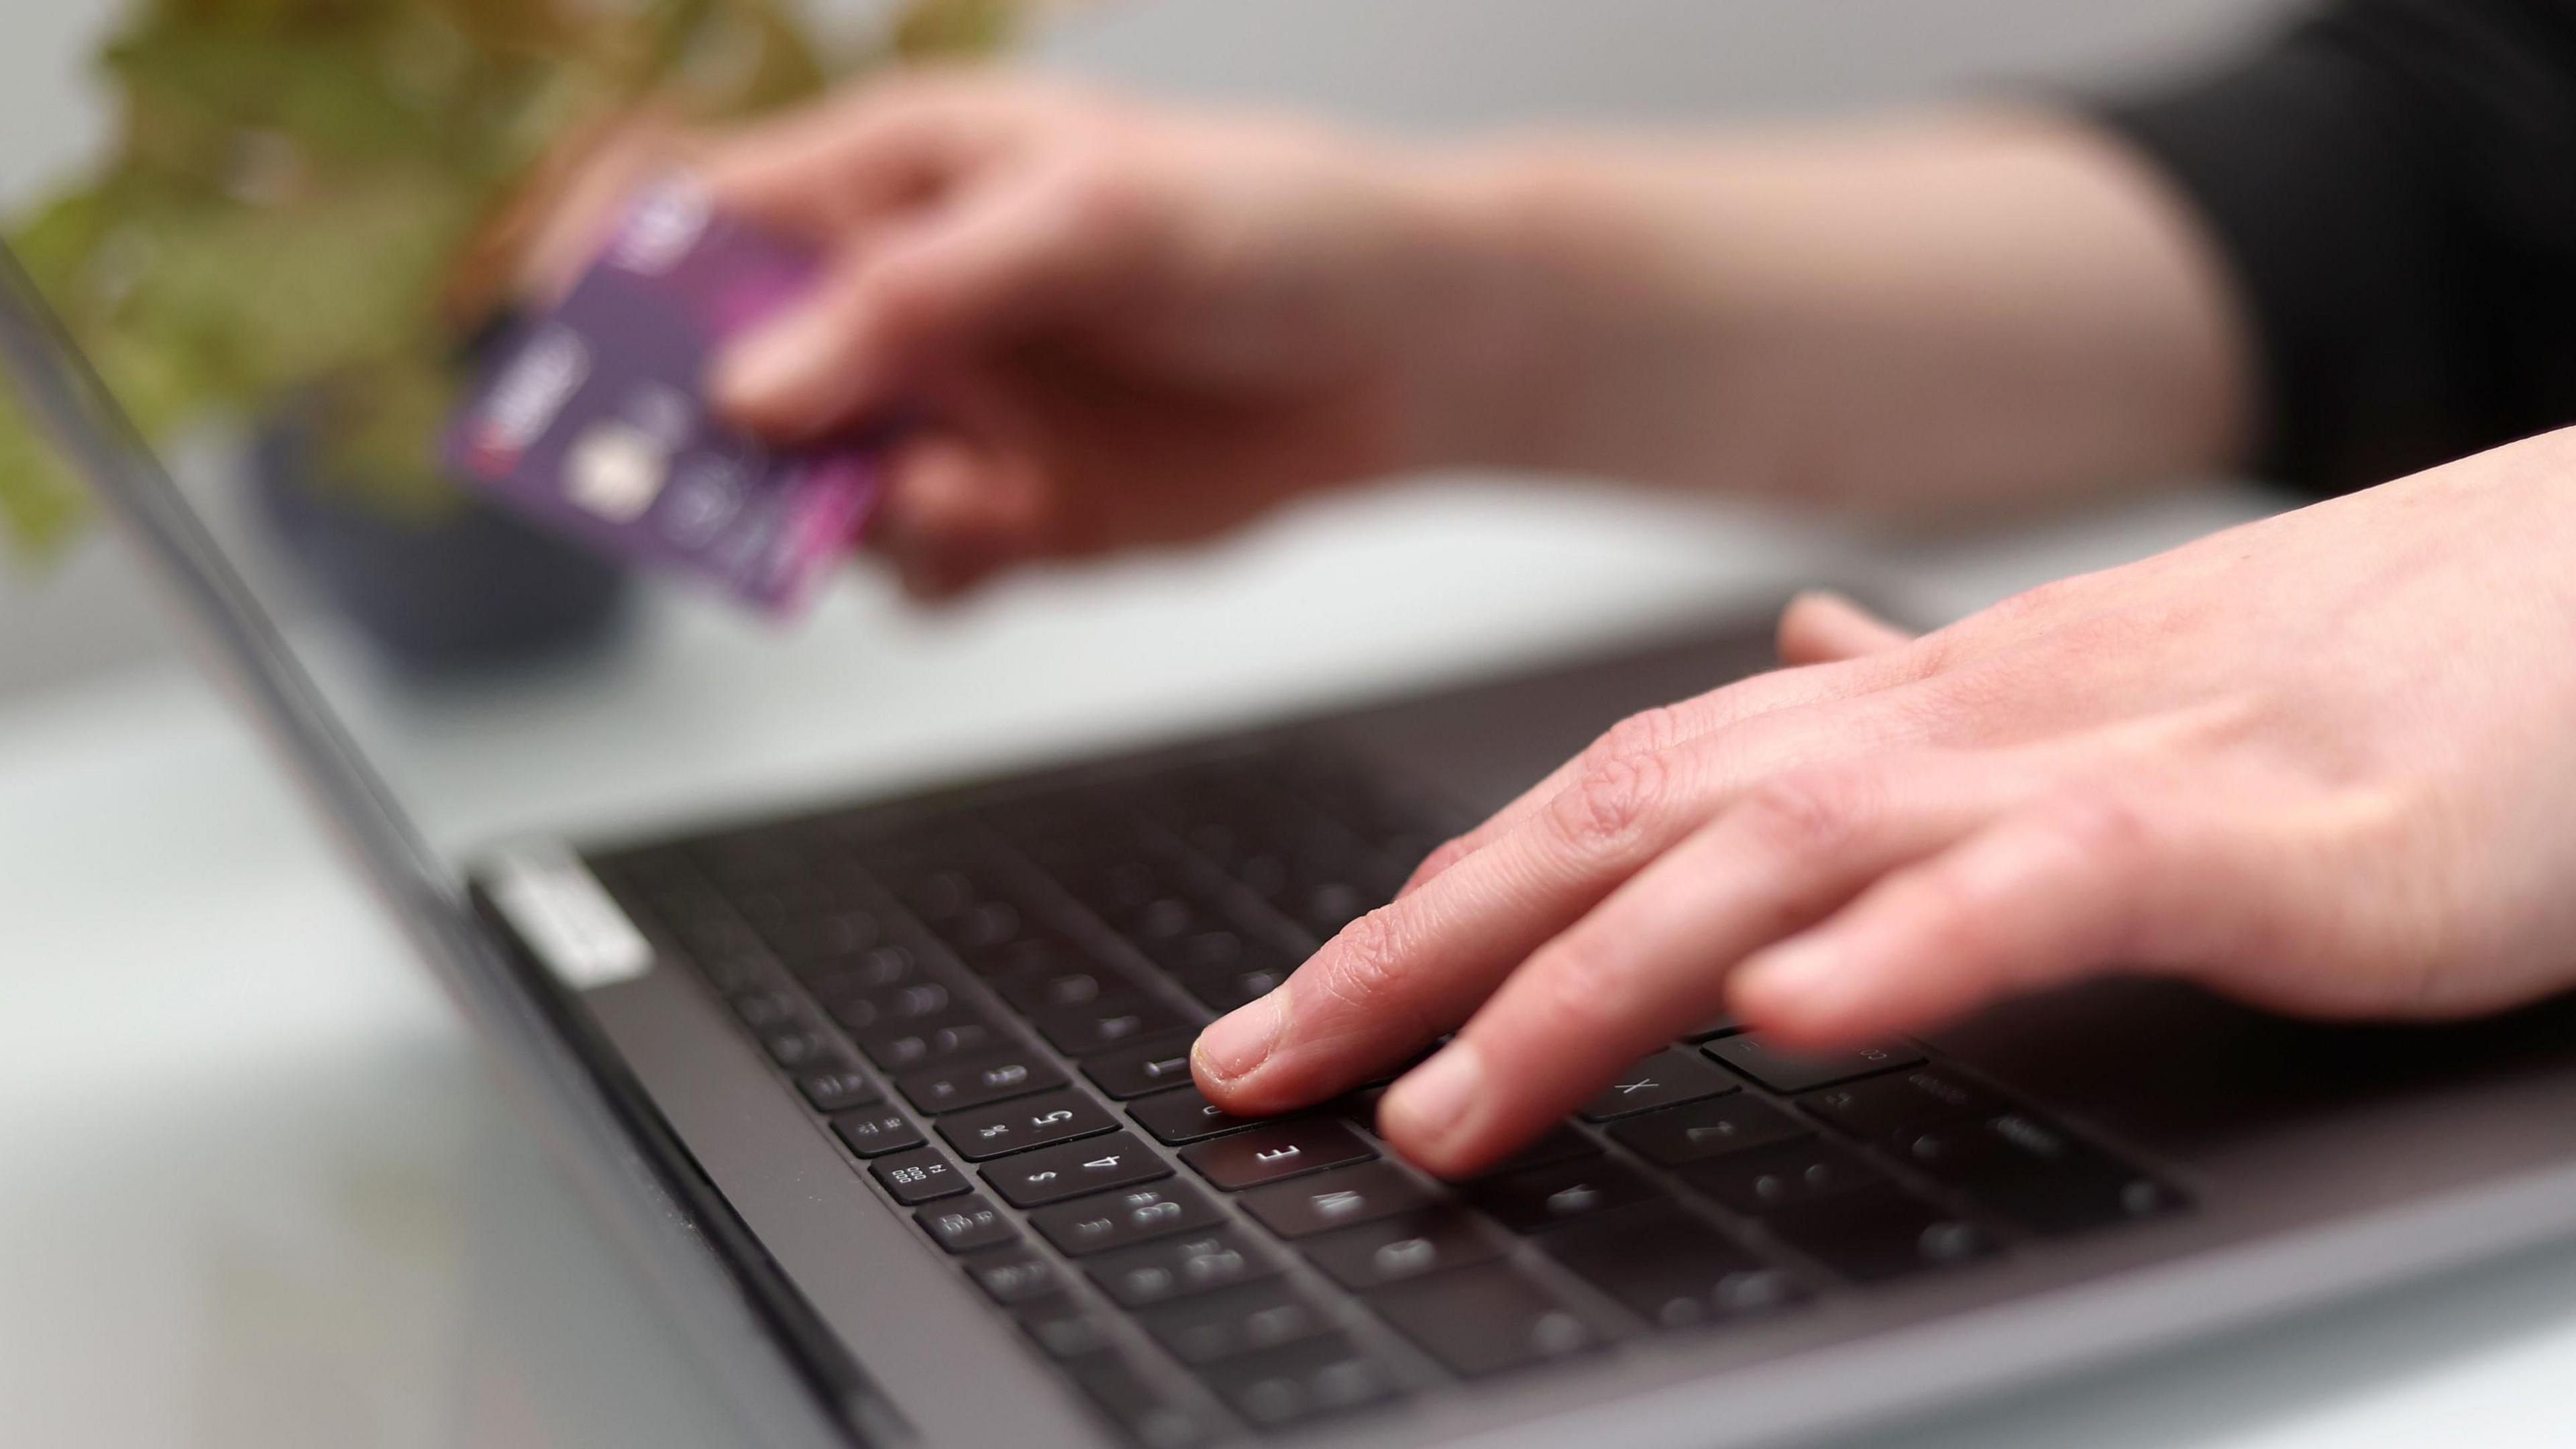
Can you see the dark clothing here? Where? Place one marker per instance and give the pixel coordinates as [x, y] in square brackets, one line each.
[2395, 184]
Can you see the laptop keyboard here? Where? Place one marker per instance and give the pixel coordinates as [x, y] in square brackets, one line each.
[990, 1007]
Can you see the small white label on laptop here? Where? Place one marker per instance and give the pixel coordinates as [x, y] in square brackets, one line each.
[566, 916]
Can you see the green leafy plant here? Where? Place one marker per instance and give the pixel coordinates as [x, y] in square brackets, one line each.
[307, 199]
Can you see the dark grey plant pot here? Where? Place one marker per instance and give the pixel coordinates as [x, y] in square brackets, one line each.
[473, 590]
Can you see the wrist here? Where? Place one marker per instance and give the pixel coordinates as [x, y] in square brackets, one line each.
[1492, 300]
[1573, 327]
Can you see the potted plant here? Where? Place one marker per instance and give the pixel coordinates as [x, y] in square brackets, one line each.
[309, 213]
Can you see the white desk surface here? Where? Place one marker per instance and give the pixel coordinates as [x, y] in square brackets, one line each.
[255, 1192]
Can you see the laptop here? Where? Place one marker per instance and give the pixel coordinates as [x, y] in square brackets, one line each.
[890, 1095]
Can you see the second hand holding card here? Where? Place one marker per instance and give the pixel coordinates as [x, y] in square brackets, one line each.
[594, 420]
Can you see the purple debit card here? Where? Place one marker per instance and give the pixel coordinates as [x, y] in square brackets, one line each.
[593, 422]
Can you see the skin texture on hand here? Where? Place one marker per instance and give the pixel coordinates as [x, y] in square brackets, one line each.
[2321, 763]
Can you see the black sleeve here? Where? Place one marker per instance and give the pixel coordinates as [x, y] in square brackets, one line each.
[2394, 182]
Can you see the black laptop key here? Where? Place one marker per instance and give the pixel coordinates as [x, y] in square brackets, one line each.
[990, 927]
[1110, 1220]
[1172, 1268]
[1219, 950]
[1276, 1150]
[1484, 1320]
[974, 1081]
[1146, 1067]
[937, 894]
[1158, 923]
[1697, 1131]
[1052, 984]
[1343, 1198]
[1781, 1178]
[1882, 1108]
[1302, 1382]
[2036, 1175]
[807, 942]
[807, 1049]
[771, 1009]
[961, 1225]
[1135, 1404]
[1232, 1322]
[1225, 989]
[903, 1046]
[1881, 1233]
[713, 935]
[1114, 889]
[1094, 1164]
[922, 1175]
[876, 1132]
[1063, 1327]
[861, 1010]
[734, 973]
[1358, 1108]
[1671, 1076]
[1722, 1024]
[751, 857]
[1549, 1197]
[872, 970]
[1408, 1245]
[1559, 1143]
[1671, 1269]
[1792, 1072]
[1019, 1273]
[837, 1090]
[1326, 906]
[1107, 1024]
[1023, 1123]
[1031, 957]
[1186, 1115]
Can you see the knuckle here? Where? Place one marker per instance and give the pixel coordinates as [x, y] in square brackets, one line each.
[1362, 968]
[1647, 732]
[1812, 815]
[1610, 802]
[2105, 830]
[1929, 656]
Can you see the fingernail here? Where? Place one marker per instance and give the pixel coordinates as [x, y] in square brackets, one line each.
[1434, 1098]
[1240, 1040]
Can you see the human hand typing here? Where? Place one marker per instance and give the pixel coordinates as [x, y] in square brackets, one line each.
[2321, 763]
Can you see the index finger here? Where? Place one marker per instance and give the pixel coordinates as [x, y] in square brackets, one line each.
[1397, 977]
[842, 166]
[1657, 730]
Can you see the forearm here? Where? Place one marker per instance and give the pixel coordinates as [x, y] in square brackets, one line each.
[1960, 312]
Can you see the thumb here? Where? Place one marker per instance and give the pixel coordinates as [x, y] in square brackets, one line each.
[1820, 627]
